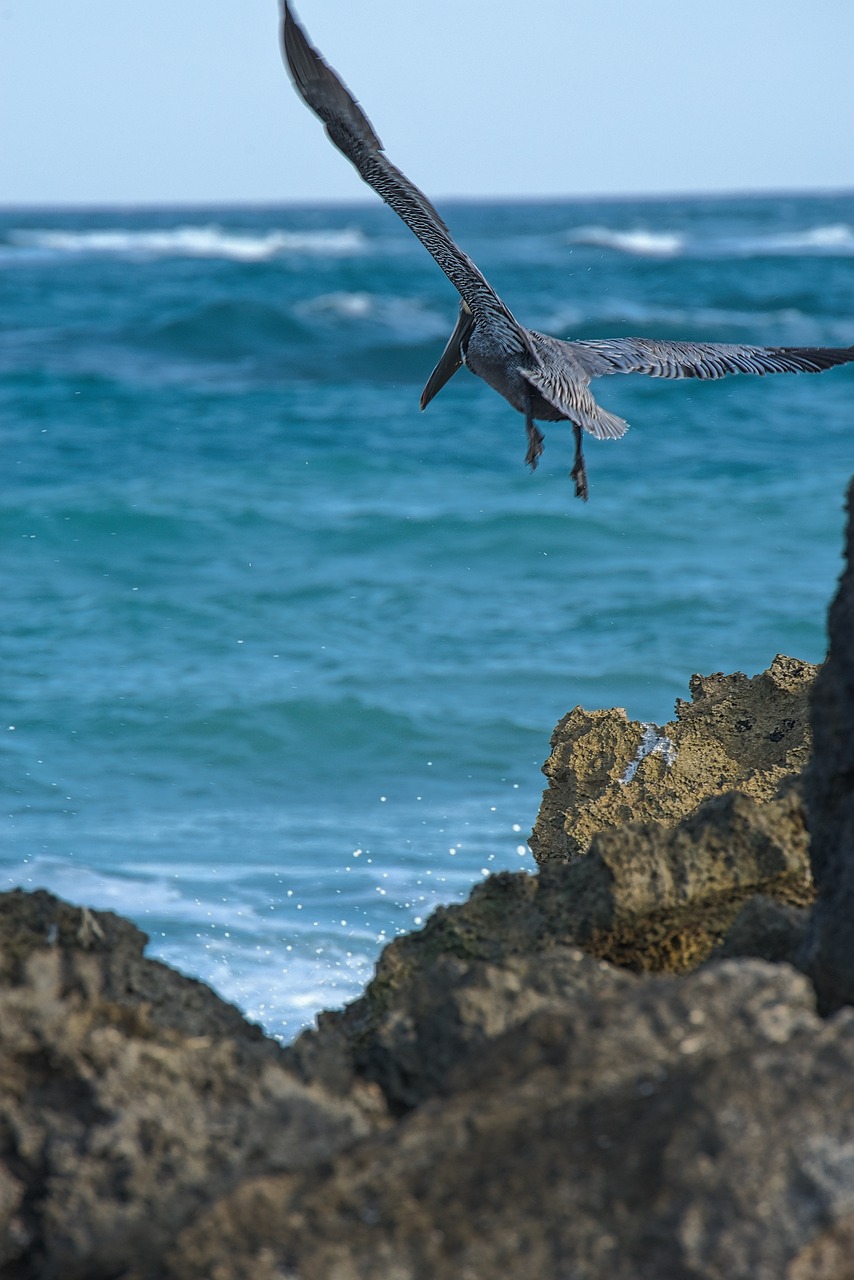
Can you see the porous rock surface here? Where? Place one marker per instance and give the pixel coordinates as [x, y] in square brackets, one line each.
[679, 1128]
[128, 1096]
[605, 770]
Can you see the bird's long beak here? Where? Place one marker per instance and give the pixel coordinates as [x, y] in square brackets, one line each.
[451, 358]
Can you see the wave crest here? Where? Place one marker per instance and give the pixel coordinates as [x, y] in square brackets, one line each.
[825, 240]
[646, 244]
[408, 319]
[191, 241]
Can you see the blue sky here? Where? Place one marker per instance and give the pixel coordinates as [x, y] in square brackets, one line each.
[108, 101]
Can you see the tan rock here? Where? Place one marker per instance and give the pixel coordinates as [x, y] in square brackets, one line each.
[737, 732]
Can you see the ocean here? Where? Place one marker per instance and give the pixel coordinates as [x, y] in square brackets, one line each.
[281, 654]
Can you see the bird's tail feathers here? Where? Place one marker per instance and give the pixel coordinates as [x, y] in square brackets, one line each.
[604, 425]
[573, 398]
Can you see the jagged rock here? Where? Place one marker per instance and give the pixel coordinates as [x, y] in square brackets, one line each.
[130, 1094]
[453, 1008]
[768, 930]
[104, 952]
[565, 1117]
[675, 892]
[747, 734]
[687, 1128]
[829, 951]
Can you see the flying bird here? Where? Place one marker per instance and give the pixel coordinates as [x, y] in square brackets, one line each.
[546, 379]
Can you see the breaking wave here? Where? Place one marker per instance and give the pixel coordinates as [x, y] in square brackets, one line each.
[408, 318]
[646, 244]
[827, 240]
[836, 238]
[191, 241]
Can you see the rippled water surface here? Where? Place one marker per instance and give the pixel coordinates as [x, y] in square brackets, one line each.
[282, 655]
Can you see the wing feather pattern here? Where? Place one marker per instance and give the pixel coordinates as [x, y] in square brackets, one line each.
[574, 400]
[563, 381]
[700, 359]
[350, 130]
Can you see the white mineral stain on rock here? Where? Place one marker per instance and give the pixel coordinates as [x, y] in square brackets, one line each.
[653, 742]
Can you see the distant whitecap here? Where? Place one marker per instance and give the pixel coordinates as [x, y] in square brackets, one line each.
[832, 239]
[408, 318]
[646, 244]
[824, 240]
[209, 241]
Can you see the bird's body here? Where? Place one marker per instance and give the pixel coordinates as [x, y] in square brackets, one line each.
[544, 378]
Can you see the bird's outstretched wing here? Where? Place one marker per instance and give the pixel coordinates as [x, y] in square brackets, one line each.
[353, 134]
[700, 359]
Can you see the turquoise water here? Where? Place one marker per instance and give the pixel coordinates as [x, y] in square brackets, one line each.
[282, 655]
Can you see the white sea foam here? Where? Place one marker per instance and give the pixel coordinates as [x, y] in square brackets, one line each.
[282, 992]
[127, 895]
[209, 241]
[826, 240]
[833, 239]
[279, 972]
[349, 306]
[405, 315]
[643, 243]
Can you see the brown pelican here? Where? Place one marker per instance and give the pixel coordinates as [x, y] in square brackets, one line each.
[544, 378]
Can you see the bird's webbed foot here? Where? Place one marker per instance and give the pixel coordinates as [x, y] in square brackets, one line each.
[535, 436]
[579, 470]
[535, 444]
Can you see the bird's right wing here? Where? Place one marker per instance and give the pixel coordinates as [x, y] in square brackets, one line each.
[353, 134]
[700, 359]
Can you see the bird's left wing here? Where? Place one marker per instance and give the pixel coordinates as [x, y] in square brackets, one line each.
[353, 134]
[700, 359]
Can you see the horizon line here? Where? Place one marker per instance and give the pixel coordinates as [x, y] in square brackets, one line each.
[332, 202]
